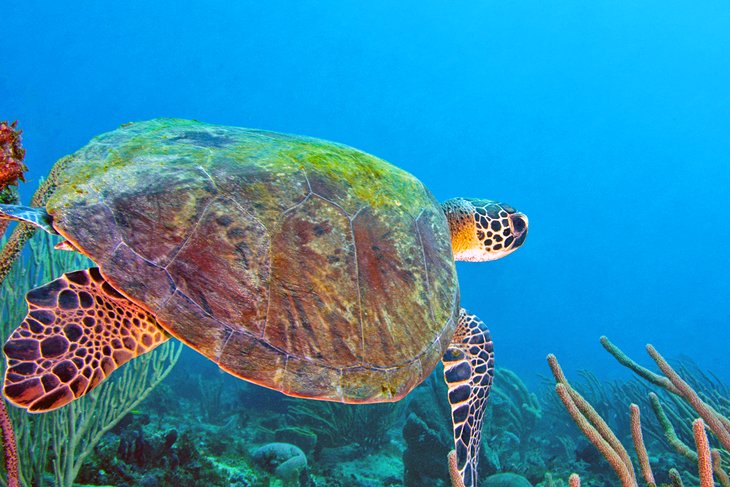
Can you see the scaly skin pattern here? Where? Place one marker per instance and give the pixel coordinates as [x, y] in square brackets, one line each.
[468, 371]
[482, 229]
[301, 265]
[78, 331]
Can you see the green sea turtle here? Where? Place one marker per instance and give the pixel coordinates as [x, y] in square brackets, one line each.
[301, 265]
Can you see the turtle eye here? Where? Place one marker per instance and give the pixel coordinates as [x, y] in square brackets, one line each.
[519, 222]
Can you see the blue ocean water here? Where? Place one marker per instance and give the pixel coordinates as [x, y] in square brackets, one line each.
[607, 123]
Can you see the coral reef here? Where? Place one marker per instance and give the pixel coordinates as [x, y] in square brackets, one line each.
[139, 454]
[366, 425]
[596, 429]
[535, 437]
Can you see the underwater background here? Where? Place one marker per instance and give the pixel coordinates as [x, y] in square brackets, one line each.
[607, 123]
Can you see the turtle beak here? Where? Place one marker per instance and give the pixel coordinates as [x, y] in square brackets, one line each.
[518, 222]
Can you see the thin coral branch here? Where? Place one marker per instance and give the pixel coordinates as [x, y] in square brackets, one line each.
[672, 382]
[549, 480]
[456, 480]
[675, 478]
[704, 461]
[687, 400]
[647, 374]
[10, 252]
[717, 466]
[9, 445]
[610, 444]
[574, 480]
[595, 437]
[669, 432]
[708, 414]
[8, 196]
[639, 445]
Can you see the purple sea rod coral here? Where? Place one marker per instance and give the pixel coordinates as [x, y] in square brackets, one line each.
[9, 445]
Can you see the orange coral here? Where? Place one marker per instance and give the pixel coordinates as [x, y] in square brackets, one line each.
[593, 426]
[639, 446]
[9, 445]
[456, 480]
[704, 461]
[11, 155]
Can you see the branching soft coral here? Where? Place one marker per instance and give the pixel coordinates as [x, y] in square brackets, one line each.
[709, 407]
[11, 155]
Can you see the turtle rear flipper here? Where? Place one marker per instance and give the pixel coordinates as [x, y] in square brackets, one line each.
[35, 216]
[78, 331]
[468, 371]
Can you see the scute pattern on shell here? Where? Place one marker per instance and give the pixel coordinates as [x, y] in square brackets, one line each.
[302, 265]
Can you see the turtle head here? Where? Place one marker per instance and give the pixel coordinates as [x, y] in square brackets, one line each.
[483, 229]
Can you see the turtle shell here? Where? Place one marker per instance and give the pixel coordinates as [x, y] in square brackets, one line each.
[301, 265]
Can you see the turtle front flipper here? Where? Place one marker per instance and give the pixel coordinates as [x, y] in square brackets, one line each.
[78, 331]
[468, 371]
[35, 216]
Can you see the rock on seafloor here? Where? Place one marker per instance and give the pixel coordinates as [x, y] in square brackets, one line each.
[507, 480]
